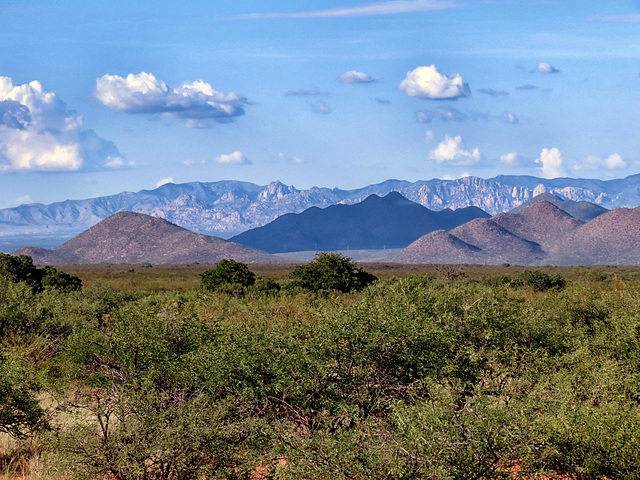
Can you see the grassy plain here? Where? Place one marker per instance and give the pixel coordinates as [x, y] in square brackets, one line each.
[436, 372]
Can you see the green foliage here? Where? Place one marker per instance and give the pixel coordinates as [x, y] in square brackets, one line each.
[228, 272]
[416, 377]
[20, 269]
[20, 412]
[53, 279]
[331, 271]
[540, 281]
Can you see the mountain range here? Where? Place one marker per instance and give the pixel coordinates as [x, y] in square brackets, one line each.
[377, 222]
[227, 208]
[541, 233]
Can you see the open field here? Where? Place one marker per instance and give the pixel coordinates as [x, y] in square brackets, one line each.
[152, 278]
[443, 372]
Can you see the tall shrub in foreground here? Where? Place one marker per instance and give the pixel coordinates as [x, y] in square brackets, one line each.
[331, 271]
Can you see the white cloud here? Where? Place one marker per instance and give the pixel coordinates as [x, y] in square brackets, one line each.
[611, 162]
[428, 136]
[195, 102]
[510, 117]
[427, 82]
[235, 158]
[511, 159]
[38, 133]
[353, 76]
[372, 9]
[543, 67]
[25, 199]
[551, 160]
[164, 181]
[453, 151]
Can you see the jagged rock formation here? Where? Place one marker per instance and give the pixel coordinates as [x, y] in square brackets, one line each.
[128, 237]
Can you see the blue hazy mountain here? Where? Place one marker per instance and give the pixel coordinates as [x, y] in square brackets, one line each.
[377, 222]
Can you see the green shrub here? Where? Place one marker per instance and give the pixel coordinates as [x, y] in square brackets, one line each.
[228, 272]
[331, 271]
[540, 281]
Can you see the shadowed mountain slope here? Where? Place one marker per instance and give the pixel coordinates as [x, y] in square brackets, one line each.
[542, 222]
[612, 238]
[377, 222]
[498, 242]
[440, 247]
[128, 237]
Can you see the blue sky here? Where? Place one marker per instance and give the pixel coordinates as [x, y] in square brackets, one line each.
[102, 97]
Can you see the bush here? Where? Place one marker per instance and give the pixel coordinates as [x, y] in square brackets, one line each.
[331, 271]
[228, 272]
[540, 281]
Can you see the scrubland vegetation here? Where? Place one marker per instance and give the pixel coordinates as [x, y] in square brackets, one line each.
[450, 373]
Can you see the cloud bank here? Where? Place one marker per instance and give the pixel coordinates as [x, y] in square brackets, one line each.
[427, 82]
[38, 133]
[143, 93]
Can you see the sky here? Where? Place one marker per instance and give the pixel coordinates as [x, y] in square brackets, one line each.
[97, 98]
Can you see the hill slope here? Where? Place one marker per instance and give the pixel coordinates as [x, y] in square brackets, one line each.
[128, 237]
[375, 223]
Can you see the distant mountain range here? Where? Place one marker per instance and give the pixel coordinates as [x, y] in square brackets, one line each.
[377, 222]
[227, 208]
[541, 233]
[128, 237]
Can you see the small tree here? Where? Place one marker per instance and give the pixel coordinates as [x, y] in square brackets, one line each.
[228, 272]
[331, 271]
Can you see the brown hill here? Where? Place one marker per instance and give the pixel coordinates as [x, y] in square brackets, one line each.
[439, 247]
[128, 237]
[612, 238]
[542, 222]
[498, 242]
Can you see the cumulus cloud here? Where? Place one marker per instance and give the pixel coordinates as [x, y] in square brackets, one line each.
[371, 9]
[354, 76]
[164, 181]
[493, 93]
[427, 82]
[543, 67]
[552, 163]
[235, 158]
[453, 151]
[38, 133]
[196, 102]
